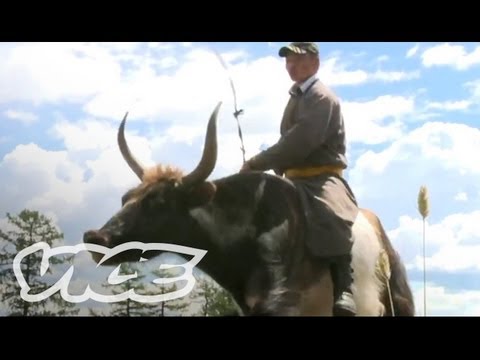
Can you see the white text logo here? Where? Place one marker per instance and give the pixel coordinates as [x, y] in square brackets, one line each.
[113, 279]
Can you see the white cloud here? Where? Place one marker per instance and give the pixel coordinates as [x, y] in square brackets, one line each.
[168, 62]
[105, 161]
[234, 55]
[446, 145]
[441, 301]
[461, 196]
[85, 135]
[454, 258]
[451, 245]
[52, 72]
[449, 105]
[455, 56]
[153, 97]
[164, 46]
[87, 175]
[383, 58]
[24, 117]
[117, 47]
[183, 133]
[391, 76]
[412, 51]
[334, 73]
[156, 97]
[92, 136]
[376, 121]
[5, 226]
[422, 116]
[474, 87]
[36, 178]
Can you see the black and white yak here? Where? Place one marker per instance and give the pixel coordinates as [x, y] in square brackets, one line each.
[251, 225]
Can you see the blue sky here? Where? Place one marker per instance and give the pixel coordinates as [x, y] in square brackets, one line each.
[411, 112]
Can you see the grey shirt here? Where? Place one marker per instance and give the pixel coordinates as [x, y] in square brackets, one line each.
[312, 132]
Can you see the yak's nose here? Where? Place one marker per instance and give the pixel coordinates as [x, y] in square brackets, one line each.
[95, 237]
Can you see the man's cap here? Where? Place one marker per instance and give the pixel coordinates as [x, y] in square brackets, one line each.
[299, 48]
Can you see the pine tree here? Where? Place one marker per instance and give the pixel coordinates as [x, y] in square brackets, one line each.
[30, 227]
[215, 301]
[175, 307]
[130, 307]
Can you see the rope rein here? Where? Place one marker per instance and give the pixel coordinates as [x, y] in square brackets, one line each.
[237, 112]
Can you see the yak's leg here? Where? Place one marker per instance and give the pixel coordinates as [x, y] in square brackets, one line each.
[317, 299]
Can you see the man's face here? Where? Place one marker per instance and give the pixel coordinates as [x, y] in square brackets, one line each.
[301, 66]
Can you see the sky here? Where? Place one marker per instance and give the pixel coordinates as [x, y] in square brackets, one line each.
[411, 116]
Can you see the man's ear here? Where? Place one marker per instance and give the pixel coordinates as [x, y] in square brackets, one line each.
[201, 194]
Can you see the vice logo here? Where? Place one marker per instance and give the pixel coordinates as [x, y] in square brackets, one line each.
[114, 278]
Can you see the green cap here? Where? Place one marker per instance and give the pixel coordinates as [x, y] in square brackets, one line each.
[298, 48]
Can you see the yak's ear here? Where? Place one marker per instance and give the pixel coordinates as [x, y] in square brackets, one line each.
[201, 194]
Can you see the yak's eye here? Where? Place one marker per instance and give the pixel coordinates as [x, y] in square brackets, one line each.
[152, 199]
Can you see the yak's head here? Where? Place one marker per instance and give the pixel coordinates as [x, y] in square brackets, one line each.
[157, 209]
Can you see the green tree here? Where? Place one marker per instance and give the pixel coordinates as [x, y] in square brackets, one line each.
[214, 300]
[30, 227]
[175, 307]
[130, 307]
[142, 287]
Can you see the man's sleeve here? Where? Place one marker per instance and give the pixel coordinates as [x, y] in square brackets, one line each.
[301, 139]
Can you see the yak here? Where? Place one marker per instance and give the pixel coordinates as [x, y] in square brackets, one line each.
[251, 225]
